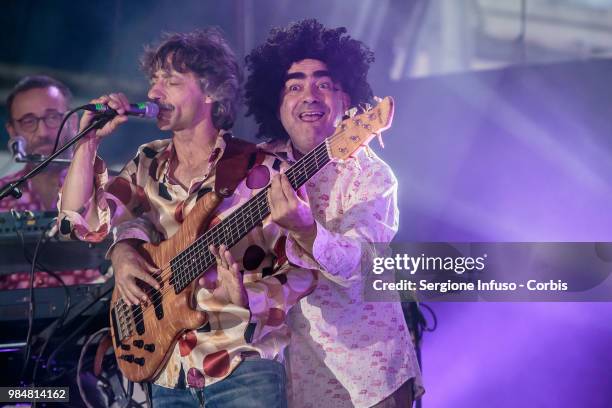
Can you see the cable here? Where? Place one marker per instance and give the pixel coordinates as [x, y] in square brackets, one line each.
[433, 316]
[147, 390]
[67, 300]
[80, 363]
[43, 268]
[417, 324]
[130, 402]
[59, 131]
[31, 309]
[32, 302]
[76, 332]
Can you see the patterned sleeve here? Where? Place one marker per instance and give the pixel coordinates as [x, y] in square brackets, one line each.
[114, 202]
[140, 228]
[273, 286]
[369, 215]
[271, 298]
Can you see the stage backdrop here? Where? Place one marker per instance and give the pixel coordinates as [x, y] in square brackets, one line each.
[520, 154]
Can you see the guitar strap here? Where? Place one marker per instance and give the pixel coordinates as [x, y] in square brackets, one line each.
[233, 166]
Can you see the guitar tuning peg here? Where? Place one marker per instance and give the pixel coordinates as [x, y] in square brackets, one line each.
[364, 107]
[351, 112]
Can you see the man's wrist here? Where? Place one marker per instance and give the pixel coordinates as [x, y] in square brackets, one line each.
[89, 143]
[305, 237]
[122, 245]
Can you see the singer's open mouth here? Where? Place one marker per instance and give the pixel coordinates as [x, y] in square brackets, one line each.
[164, 110]
[165, 107]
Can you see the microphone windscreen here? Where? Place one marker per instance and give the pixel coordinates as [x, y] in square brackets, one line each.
[151, 110]
[17, 146]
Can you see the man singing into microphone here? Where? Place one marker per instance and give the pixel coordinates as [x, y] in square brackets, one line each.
[233, 360]
[36, 107]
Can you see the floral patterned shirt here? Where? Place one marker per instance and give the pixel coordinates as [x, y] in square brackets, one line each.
[145, 202]
[31, 201]
[344, 351]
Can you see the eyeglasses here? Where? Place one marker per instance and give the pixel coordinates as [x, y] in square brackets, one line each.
[29, 122]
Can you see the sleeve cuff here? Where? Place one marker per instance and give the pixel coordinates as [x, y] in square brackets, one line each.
[134, 229]
[336, 256]
[116, 241]
[74, 224]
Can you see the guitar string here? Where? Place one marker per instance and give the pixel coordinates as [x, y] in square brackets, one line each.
[194, 249]
[203, 267]
[197, 245]
[202, 242]
[209, 238]
[317, 150]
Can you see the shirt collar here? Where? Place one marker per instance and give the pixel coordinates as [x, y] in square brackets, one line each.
[281, 149]
[168, 154]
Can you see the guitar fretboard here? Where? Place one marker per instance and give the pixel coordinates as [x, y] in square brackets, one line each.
[197, 258]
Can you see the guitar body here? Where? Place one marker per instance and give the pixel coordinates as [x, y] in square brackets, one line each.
[143, 342]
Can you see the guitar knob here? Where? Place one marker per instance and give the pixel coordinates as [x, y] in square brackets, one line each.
[125, 346]
[127, 357]
[150, 347]
[140, 361]
[138, 343]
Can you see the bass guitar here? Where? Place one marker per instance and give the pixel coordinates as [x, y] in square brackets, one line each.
[144, 335]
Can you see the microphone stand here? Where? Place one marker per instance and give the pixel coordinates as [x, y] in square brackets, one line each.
[12, 188]
[36, 158]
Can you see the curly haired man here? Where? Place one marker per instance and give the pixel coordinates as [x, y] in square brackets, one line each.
[344, 351]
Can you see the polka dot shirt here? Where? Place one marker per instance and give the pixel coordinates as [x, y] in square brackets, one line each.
[146, 203]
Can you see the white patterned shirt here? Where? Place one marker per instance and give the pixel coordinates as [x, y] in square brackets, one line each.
[344, 351]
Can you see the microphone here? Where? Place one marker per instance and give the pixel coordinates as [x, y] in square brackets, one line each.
[143, 109]
[17, 147]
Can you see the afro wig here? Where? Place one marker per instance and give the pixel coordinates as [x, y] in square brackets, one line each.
[347, 59]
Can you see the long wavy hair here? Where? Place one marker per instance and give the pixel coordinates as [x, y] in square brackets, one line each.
[206, 53]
